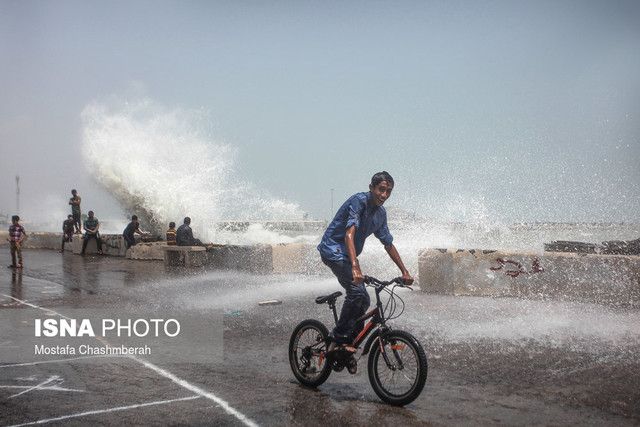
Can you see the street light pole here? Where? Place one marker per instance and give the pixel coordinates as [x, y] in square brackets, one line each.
[17, 195]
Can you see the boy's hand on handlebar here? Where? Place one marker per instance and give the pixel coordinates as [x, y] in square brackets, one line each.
[408, 280]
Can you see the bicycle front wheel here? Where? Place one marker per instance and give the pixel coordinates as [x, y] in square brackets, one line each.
[307, 353]
[397, 368]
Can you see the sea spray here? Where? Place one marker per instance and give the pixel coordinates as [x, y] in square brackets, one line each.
[162, 164]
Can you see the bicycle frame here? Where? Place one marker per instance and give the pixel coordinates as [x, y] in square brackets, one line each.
[377, 320]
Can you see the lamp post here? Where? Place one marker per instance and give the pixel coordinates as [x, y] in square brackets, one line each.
[17, 195]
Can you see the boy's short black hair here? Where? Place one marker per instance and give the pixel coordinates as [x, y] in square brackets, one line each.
[381, 176]
[15, 218]
[172, 224]
[134, 217]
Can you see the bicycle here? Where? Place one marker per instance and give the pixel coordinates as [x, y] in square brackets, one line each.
[397, 365]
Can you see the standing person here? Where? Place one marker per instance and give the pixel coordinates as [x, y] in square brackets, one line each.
[132, 227]
[359, 217]
[171, 234]
[17, 234]
[75, 209]
[68, 227]
[184, 236]
[91, 227]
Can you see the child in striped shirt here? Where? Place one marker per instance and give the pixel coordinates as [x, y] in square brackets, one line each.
[16, 237]
[171, 234]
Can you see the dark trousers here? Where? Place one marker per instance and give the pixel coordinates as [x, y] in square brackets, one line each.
[76, 220]
[129, 240]
[66, 238]
[355, 304]
[88, 236]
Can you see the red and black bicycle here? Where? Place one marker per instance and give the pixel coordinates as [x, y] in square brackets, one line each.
[397, 364]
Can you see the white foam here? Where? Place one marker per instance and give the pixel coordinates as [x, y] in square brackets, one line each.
[165, 163]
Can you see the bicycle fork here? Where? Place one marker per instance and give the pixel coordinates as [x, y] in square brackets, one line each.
[395, 348]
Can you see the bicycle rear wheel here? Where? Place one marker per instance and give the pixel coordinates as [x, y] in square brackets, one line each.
[400, 378]
[307, 353]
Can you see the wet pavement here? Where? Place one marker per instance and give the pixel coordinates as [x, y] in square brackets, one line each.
[491, 360]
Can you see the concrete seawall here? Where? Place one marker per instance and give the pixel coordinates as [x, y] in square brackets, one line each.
[609, 279]
[294, 258]
[113, 244]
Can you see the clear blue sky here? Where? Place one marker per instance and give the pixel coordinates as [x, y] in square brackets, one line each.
[498, 110]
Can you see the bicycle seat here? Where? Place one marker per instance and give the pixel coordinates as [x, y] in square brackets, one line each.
[328, 298]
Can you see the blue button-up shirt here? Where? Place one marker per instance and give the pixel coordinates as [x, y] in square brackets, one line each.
[369, 219]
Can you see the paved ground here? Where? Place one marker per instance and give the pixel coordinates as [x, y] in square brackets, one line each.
[492, 360]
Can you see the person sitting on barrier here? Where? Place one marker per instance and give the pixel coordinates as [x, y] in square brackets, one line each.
[359, 217]
[184, 236]
[68, 228]
[91, 227]
[132, 227]
[171, 234]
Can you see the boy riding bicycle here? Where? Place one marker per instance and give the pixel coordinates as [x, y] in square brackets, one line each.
[359, 217]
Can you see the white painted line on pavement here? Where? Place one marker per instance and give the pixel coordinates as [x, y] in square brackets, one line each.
[185, 384]
[13, 365]
[40, 386]
[105, 411]
[47, 388]
[241, 417]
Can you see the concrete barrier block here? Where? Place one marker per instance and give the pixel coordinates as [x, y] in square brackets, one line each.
[113, 245]
[435, 271]
[296, 258]
[610, 279]
[255, 258]
[92, 246]
[187, 256]
[148, 251]
[40, 240]
[77, 244]
[288, 258]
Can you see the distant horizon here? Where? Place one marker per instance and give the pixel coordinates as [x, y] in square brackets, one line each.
[7, 219]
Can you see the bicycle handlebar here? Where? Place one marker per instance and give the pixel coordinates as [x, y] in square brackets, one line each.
[373, 281]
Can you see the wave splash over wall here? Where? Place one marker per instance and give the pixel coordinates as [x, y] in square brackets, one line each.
[163, 164]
